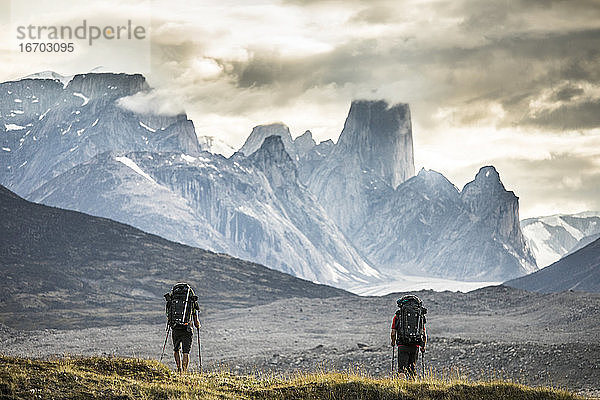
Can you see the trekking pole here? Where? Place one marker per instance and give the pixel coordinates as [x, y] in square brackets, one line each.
[199, 354]
[165, 345]
[423, 364]
[393, 357]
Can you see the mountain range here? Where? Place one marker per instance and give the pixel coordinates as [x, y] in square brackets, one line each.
[345, 213]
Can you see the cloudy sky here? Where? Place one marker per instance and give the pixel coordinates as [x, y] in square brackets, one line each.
[511, 83]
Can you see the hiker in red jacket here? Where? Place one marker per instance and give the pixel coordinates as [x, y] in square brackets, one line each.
[409, 333]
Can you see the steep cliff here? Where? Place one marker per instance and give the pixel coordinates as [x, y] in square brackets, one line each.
[379, 137]
[336, 213]
[374, 154]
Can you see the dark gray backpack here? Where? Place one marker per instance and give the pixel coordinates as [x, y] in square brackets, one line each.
[410, 320]
[180, 305]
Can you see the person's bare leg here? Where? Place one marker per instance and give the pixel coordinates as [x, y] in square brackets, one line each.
[178, 360]
[186, 360]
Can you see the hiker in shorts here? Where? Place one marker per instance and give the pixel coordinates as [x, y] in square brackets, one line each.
[182, 309]
[409, 333]
[182, 337]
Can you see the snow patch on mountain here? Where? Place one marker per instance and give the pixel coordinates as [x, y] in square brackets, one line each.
[128, 162]
[13, 127]
[558, 221]
[143, 125]
[82, 97]
[187, 158]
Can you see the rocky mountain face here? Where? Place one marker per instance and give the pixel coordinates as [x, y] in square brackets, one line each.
[550, 238]
[579, 271]
[252, 208]
[66, 269]
[379, 138]
[313, 158]
[304, 144]
[374, 154]
[345, 214]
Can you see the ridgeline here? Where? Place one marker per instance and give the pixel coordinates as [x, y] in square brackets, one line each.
[121, 378]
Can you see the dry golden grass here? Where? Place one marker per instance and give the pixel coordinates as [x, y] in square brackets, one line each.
[122, 378]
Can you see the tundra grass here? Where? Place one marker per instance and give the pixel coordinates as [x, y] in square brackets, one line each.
[123, 378]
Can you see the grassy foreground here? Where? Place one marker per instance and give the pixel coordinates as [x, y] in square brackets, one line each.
[122, 378]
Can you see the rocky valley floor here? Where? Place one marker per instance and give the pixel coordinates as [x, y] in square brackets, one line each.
[492, 332]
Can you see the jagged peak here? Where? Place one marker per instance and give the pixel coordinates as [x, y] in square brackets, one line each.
[433, 180]
[305, 139]
[377, 116]
[430, 174]
[487, 193]
[261, 132]
[272, 151]
[487, 177]
[273, 159]
[304, 143]
[489, 173]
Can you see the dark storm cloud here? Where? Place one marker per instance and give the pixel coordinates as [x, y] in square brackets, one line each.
[484, 16]
[260, 70]
[567, 93]
[520, 69]
[585, 115]
[510, 70]
[347, 64]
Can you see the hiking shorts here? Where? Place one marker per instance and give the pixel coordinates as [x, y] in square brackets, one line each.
[182, 338]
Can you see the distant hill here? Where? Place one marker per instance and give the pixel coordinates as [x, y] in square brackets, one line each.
[65, 269]
[577, 271]
[553, 237]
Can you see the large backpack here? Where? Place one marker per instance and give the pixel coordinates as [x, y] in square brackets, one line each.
[410, 320]
[180, 305]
